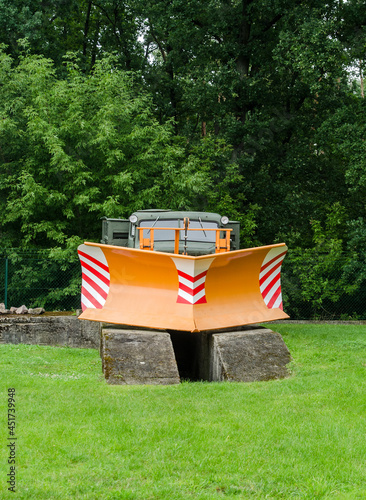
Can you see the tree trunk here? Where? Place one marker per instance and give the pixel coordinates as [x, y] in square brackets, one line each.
[361, 80]
[86, 28]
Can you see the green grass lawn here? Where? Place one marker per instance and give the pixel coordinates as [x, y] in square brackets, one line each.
[301, 437]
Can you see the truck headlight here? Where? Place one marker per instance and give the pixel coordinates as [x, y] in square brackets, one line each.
[133, 218]
[224, 220]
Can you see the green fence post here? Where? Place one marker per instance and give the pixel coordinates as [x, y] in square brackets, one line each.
[6, 283]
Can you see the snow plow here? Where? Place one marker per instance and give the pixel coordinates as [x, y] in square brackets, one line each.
[179, 271]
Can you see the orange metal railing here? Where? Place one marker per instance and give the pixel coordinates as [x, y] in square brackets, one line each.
[221, 244]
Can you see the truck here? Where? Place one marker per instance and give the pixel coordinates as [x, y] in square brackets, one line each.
[179, 270]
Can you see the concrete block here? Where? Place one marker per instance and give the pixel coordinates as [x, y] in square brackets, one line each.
[248, 356]
[131, 356]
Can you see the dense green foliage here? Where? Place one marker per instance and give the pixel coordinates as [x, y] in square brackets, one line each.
[77, 148]
[300, 437]
[250, 108]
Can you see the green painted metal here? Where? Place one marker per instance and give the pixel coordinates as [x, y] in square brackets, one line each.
[123, 232]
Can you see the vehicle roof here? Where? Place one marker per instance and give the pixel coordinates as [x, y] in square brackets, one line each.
[175, 214]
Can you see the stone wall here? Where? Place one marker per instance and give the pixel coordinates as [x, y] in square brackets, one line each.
[49, 330]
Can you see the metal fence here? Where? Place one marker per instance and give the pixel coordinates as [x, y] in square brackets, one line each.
[36, 280]
[347, 308]
[319, 288]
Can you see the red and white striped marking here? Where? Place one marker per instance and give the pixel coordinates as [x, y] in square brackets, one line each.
[192, 278]
[95, 277]
[270, 278]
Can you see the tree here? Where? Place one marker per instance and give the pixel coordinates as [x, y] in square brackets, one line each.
[77, 149]
[88, 28]
[267, 79]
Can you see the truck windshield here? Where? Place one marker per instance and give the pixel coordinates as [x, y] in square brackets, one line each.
[164, 235]
[204, 236]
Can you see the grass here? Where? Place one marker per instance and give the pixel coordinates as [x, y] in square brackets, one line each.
[302, 437]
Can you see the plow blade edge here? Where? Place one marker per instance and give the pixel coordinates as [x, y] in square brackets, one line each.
[169, 291]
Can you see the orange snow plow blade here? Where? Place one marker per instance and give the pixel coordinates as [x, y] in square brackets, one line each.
[179, 292]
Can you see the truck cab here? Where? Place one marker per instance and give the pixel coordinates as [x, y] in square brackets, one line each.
[188, 232]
